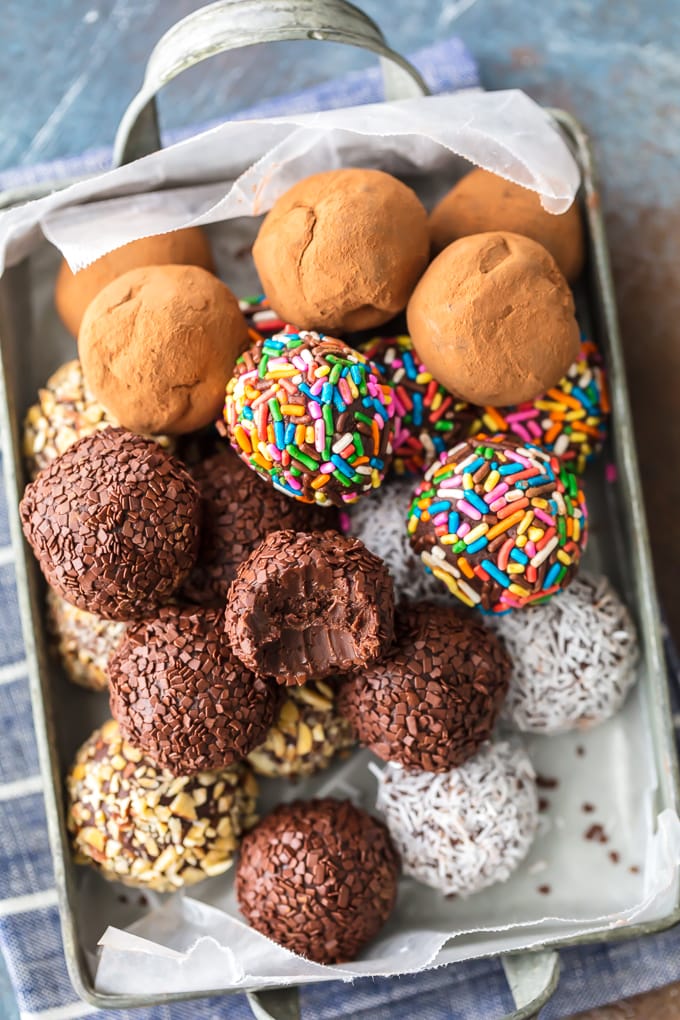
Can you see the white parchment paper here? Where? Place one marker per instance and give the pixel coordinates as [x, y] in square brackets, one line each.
[197, 941]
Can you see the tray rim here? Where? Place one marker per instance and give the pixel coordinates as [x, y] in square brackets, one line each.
[38, 669]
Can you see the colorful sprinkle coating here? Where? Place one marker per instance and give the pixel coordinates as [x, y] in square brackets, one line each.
[312, 416]
[430, 420]
[261, 317]
[570, 419]
[501, 525]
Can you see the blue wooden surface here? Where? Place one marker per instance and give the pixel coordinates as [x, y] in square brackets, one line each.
[68, 69]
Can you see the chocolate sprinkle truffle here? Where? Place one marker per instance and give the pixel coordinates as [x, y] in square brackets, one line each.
[501, 524]
[574, 659]
[239, 509]
[113, 523]
[179, 693]
[304, 607]
[570, 419]
[342, 250]
[378, 522]
[493, 319]
[312, 416]
[432, 700]
[82, 641]
[144, 827]
[465, 829]
[428, 419]
[65, 412]
[483, 201]
[319, 877]
[158, 346]
[306, 735]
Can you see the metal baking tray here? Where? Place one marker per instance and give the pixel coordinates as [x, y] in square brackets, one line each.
[32, 344]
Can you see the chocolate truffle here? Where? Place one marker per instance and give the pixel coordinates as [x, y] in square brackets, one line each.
[66, 411]
[312, 416]
[378, 522]
[304, 607]
[501, 524]
[74, 291]
[466, 829]
[180, 694]
[113, 523]
[306, 735]
[82, 641]
[570, 419]
[342, 250]
[431, 701]
[144, 827]
[238, 511]
[158, 346]
[319, 877]
[574, 659]
[483, 201]
[493, 319]
[428, 419]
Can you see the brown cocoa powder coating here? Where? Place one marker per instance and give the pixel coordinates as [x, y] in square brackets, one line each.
[307, 606]
[493, 319]
[239, 509]
[318, 877]
[342, 250]
[74, 291]
[158, 346]
[432, 701]
[114, 524]
[179, 693]
[483, 201]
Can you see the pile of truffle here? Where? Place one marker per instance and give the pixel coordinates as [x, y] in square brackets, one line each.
[264, 534]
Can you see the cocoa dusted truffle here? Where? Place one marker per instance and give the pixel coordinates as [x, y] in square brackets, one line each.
[493, 319]
[312, 416]
[483, 201]
[342, 250]
[179, 693]
[142, 826]
[304, 607]
[114, 524]
[433, 699]
[502, 524]
[74, 291]
[158, 346]
[319, 877]
[306, 735]
[239, 509]
[82, 641]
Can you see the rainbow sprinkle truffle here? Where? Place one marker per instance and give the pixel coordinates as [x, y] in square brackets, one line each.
[502, 525]
[312, 416]
[260, 315]
[430, 420]
[570, 419]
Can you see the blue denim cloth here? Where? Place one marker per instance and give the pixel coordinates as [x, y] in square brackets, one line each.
[29, 924]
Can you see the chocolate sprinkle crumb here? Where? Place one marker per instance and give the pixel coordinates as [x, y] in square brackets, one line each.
[318, 877]
[547, 782]
[588, 808]
[544, 889]
[432, 700]
[580, 751]
[180, 694]
[634, 869]
[543, 804]
[305, 607]
[113, 523]
[596, 833]
[614, 856]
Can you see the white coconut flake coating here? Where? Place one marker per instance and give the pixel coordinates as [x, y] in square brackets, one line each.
[379, 520]
[574, 658]
[463, 830]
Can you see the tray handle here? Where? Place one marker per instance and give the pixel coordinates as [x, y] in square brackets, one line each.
[234, 24]
[532, 978]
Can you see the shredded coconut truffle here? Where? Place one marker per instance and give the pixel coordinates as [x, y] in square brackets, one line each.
[462, 830]
[379, 520]
[573, 658]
